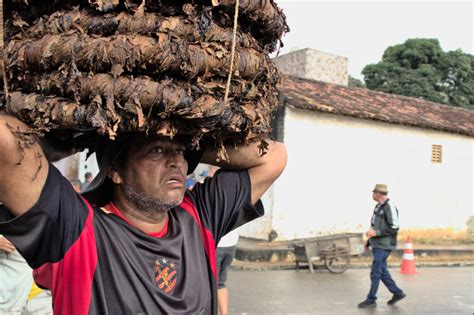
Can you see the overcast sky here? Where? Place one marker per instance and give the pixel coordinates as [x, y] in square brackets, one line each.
[362, 30]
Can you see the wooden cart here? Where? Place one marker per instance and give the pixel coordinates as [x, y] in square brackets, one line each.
[334, 251]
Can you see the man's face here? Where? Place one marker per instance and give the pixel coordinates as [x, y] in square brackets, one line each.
[375, 196]
[379, 197]
[154, 173]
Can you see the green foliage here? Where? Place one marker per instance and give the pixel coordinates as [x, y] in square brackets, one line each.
[354, 82]
[420, 68]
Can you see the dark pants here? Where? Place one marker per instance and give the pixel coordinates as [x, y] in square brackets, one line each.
[224, 258]
[379, 272]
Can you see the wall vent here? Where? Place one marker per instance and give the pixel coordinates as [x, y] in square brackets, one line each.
[436, 153]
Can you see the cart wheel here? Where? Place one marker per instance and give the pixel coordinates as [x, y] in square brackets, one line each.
[337, 264]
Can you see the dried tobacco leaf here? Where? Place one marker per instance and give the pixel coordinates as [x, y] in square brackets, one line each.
[167, 95]
[106, 67]
[87, 22]
[162, 53]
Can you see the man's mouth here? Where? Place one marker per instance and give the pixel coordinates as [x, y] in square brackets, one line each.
[174, 179]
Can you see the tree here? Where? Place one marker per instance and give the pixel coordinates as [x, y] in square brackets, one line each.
[459, 78]
[420, 68]
[354, 82]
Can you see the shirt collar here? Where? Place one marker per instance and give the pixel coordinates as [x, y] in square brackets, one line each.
[112, 208]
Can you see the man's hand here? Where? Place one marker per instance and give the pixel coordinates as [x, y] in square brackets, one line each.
[6, 246]
[263, 169]
[370, 233]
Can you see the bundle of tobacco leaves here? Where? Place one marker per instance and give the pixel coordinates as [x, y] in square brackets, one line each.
[105, 67]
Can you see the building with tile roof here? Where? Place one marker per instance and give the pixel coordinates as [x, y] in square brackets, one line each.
[341, 141]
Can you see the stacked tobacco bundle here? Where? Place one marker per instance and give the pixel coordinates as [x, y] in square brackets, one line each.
[105, 67]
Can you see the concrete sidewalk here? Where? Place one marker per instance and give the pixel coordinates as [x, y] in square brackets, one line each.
[263, 255]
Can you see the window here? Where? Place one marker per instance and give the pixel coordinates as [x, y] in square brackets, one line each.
[436, 153]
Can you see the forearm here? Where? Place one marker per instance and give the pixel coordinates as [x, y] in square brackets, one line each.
[263, 169]
[243, 156]
[385, 232]
[24, 168]
[6, 246]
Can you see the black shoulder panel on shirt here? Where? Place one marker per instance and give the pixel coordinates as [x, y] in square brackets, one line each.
[45, 232]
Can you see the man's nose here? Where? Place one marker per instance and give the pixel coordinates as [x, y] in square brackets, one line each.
[175, 159]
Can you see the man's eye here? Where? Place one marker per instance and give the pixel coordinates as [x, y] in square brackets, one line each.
[157, 150]
[181, 151]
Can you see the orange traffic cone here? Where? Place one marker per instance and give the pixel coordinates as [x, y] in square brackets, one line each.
[408, 262]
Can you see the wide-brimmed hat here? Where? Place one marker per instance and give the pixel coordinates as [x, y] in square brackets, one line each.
[381, 188]
[99, 192]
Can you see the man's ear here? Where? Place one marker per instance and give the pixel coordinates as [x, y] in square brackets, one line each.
[114, 175]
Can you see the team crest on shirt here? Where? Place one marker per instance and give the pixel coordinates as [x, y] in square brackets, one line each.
[166, 273]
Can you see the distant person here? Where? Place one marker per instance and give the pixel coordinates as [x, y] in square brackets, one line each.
[87, 180]
[19, 295]
[382, 239]
[77, 185]
[190, 182]
[202, 176]
[225, 254]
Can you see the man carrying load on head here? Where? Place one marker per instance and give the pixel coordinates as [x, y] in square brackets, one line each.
[136, 242]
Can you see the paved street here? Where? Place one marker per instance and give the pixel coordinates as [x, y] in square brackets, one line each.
[440, 291]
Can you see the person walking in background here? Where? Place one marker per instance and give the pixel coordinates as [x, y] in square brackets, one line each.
[190, 182]
[382, 239]
[224, 256]
[87, 180]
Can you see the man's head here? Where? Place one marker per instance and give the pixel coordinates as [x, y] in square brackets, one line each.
[380, 193]
[88, 177]
[150, 173]
[144, 171]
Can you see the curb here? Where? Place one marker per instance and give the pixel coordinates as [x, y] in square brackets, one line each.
[286, 254]
[238, 265]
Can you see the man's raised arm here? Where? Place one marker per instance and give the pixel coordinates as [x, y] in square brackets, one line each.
[23, 167]
[263, 170]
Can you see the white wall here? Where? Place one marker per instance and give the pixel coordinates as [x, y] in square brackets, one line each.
[76, 166]
[69, 166]
[89, 165]
[334, 162]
